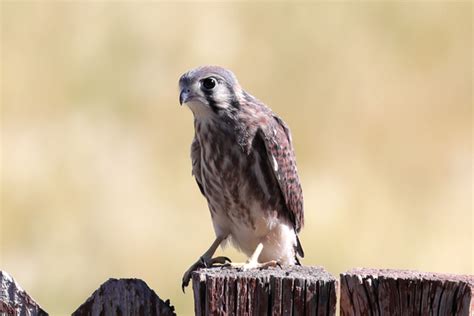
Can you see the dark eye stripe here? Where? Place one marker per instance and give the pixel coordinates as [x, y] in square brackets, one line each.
[212, 102]
[209, 94]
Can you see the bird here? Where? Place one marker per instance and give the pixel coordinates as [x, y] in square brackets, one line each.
[244, 164]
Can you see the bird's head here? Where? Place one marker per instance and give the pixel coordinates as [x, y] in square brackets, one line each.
[209, 90]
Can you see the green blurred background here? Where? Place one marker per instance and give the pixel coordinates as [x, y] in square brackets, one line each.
[96, 175]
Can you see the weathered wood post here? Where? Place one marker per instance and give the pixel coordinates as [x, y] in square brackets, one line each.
[14, 300]
[402, 292]
[124, 297]
[294, 290]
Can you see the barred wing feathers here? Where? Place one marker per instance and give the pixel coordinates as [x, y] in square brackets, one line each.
[277, 138]
[196, 161]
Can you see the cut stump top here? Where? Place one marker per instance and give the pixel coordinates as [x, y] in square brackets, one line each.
[293, 272]
[409, 275]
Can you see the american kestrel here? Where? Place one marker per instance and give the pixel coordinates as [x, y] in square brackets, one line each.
[244, 164]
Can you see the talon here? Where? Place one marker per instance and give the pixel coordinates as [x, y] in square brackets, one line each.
[269, 264]
[220, 260]
[188, 274]
[186, 279]
[184, 283]
[203, 262]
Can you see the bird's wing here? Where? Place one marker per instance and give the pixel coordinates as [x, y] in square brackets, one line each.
[196, 161]
[277, 138]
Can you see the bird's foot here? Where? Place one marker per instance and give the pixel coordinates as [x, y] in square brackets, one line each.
[203, 262]
[251, 264]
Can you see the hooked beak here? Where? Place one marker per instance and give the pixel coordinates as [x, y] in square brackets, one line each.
[184, 96]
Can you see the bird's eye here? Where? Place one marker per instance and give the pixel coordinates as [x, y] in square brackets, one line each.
[209, 83]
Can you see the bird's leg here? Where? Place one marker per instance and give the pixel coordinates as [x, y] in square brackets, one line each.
[205, 261]
[252, 262]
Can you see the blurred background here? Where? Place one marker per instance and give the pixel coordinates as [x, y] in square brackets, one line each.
[96, 175]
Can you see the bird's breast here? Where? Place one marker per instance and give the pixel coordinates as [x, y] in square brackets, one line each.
[239, 185]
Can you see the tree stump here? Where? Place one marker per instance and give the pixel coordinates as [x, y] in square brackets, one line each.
[14, 300]
[124, 297]
[402, 292]
[293, 290]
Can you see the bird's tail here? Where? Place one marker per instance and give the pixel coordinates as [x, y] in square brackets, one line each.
[299, 251]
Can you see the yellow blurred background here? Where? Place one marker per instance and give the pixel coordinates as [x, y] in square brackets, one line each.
[96, 175]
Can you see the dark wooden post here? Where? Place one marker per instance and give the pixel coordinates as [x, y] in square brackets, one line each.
[402, 292]
[124, 297]
[275, 291]
[14, 300]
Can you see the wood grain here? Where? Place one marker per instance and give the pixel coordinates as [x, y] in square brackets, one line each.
[124, 297]
[14, 300]
[403, 292]
[275, 291]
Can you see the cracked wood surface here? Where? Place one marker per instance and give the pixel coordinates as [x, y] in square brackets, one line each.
[403, 292]
[293, 290]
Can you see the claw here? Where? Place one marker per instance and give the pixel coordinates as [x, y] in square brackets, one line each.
[203, 263]
[185, 283]
[220, 260]
[188, 274]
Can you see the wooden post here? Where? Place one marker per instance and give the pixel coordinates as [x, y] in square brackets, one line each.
[402, 292]
[14, 300]
[293, 290]
[124, 297]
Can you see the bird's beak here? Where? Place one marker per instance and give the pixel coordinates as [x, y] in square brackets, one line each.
[183, 96]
